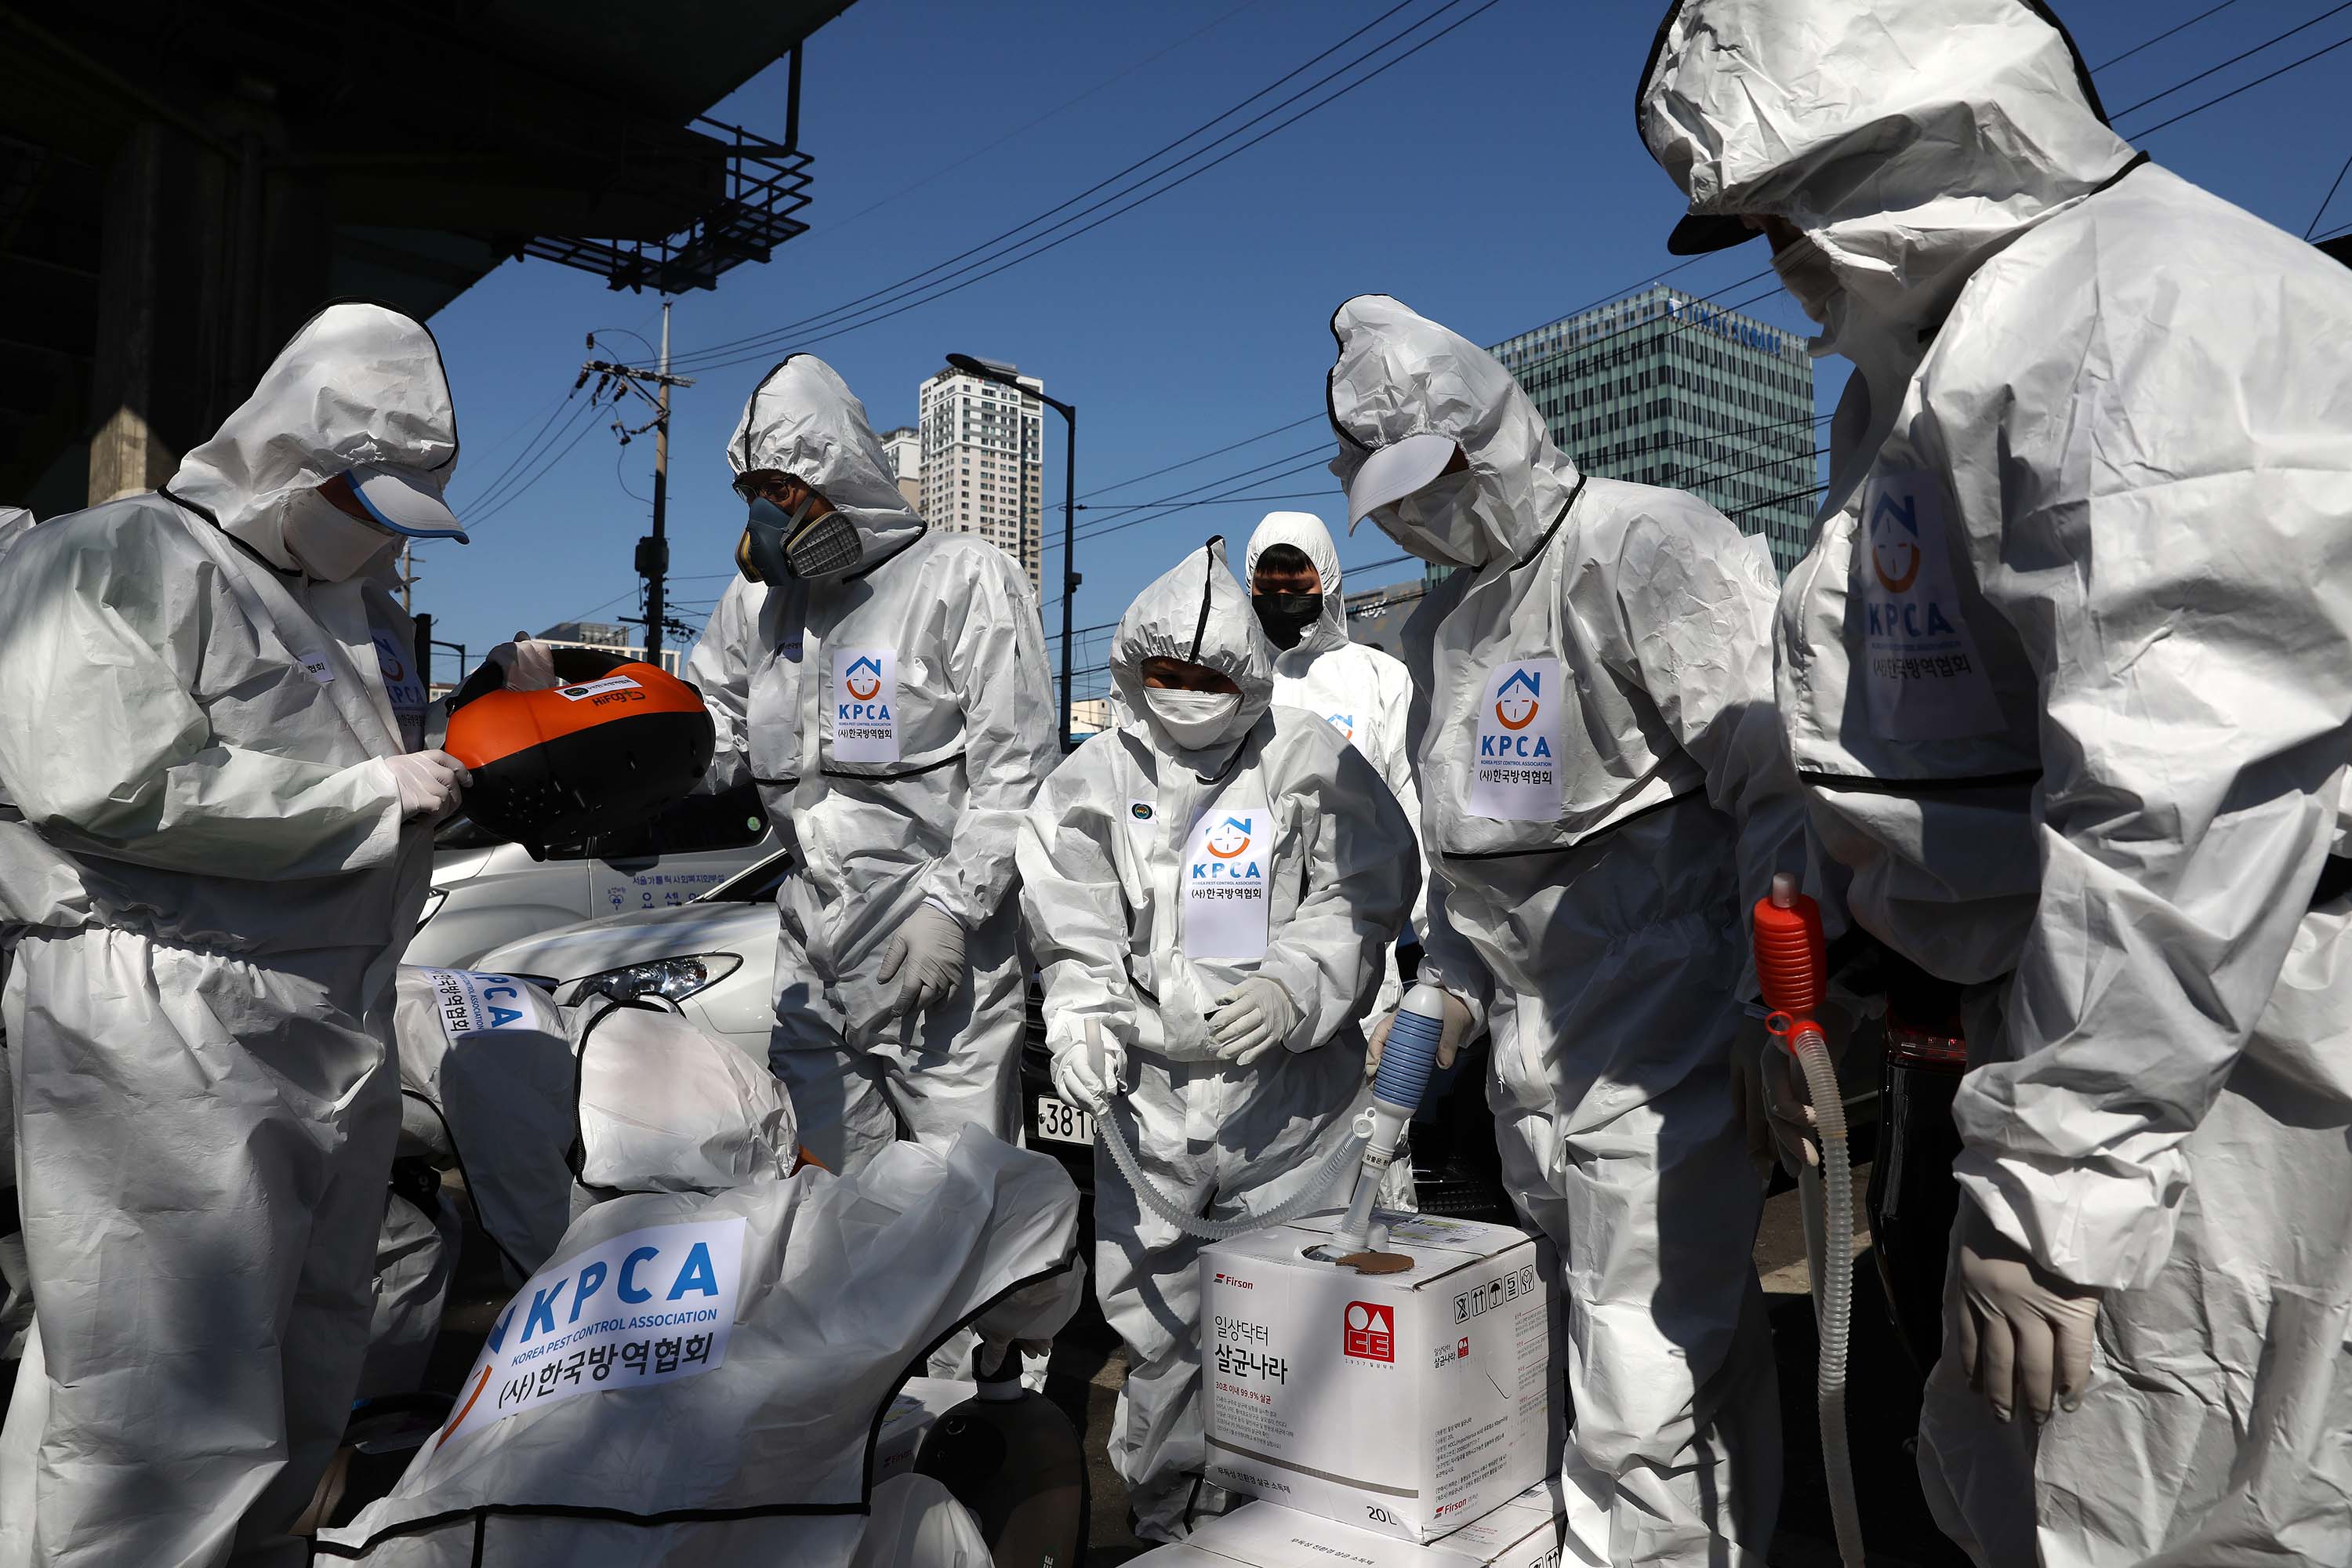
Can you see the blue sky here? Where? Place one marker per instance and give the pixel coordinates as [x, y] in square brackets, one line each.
[1492, 181]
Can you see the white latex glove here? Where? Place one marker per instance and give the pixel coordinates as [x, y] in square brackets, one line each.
[428, 783]
[1449, 1035]
[529, 664]
[2025, 1334]
[1087, 1072]
[1749, 1093]
[925, 957]
[1251, 1020]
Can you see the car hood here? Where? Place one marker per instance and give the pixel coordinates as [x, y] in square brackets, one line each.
[590, 947]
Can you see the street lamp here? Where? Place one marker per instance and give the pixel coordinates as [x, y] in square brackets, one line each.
[1070, 578]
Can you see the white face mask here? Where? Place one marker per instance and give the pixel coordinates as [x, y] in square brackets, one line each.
[1195, 720]
[1437, 522]
[331, 544]
[1805, 271]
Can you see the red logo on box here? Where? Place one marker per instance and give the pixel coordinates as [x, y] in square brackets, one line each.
[1462, 1353]
[1371, 1333]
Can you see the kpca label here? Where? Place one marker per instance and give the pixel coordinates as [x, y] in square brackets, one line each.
[402, 688]
[1370, 1333]
[1228, 862]
[1497, 1292]
[1515, 775]
[654, 1305]
[865, 705]
[469, 1002]
[1926, 681]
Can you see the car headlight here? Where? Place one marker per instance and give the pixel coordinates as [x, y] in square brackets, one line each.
[432, 903]
[672, 979]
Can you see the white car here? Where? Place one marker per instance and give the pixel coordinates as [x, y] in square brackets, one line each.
[715, 957]
[487, 892]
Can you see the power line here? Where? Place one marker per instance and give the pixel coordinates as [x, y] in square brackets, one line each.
[937, 293]
[2148, 43]
[2248, 87]
[1203, 458]
[2330, 196]
[2233, 59]
[774, 335]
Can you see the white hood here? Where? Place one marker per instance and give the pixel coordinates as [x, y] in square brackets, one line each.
[358, 385]
[803, 420]
[1400, 374]
[1910, 139]
[1197, 613]
[1304, 532]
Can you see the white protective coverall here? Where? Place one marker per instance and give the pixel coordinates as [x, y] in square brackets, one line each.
[1365, 694]
[207, 895]
[897, 720]
[699, 1375]
[15, 1280]
[1604, 792]
[2068, 677]
[1107, 856]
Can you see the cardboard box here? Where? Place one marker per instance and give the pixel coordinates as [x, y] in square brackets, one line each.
[913, 1411]
[1528, 1531]
[1407, 1403]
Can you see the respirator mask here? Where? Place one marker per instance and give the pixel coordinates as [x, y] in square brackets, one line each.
[1286, 617]
[778, 545]
[1437, 522]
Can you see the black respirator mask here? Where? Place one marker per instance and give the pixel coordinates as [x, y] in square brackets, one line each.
[778, 545]
[1286, 617]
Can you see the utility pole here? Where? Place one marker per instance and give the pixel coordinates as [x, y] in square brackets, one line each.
[653, 550]
[408, 578]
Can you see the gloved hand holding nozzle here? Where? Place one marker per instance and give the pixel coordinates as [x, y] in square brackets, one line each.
[1087, 1072]
[1449, 1042]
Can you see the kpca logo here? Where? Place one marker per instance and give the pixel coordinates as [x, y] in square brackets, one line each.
[1520, 694]
[1230, 838]
[1896, 556]
[1370, 1334]
[1343, 723]
[870, 687]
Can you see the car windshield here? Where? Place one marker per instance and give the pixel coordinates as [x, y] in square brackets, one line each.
[462, 832]
[756, 885]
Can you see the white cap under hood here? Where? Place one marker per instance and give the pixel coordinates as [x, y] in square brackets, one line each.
[359, 386]
[1908, 139]
[803, 420]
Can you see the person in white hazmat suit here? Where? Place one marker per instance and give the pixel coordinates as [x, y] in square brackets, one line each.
[208, 722]
[2068, 677]
[1362, 692]
[1211, 888]
[697, 1373]
[884, 685]
[1605, 792]
[15, 1280]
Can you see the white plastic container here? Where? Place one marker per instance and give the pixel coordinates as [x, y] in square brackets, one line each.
[1406, 1404]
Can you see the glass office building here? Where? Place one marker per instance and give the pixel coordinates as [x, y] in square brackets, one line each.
[1666, 389]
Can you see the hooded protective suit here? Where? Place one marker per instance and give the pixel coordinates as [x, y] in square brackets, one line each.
[1131, 862]
[208, 894]
[1365, 694]
[897, 720]
[2068, 677]
[1603, 792]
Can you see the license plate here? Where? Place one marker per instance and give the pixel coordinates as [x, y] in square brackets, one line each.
[1061, 1123]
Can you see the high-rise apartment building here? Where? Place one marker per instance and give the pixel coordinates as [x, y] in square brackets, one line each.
[1666, 389]
[983, 454]
[904, 448]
